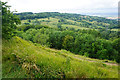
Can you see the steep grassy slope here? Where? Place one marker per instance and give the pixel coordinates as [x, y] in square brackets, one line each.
[22, 59]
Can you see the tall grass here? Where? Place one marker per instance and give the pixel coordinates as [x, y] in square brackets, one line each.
[22, 59]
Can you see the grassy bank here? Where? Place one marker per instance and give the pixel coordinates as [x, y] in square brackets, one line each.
[22, 59]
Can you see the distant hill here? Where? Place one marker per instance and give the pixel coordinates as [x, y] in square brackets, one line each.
[103, 14]
[77, 19]
[115, 18]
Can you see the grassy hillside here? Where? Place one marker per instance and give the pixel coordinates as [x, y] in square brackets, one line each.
[52, 22]
[67, 23]
[53, 18]
[24, 59]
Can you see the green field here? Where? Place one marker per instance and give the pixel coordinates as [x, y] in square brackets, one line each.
[115, 30]
[52, 22]
[74, 26]
[22, 59]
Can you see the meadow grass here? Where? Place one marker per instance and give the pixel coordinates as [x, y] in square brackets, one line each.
[74, 26]
[118, 30]
[22, 59]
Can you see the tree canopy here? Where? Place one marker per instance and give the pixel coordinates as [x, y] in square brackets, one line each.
[9, 21]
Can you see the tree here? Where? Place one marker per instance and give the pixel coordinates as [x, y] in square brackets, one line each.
[116, 45]
[9, 21]
[41, 38]
[29, 20]
[59, 25]
[68, 42]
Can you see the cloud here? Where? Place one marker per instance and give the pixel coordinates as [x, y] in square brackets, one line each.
[73, 6]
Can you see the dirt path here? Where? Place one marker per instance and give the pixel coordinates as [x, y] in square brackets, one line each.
[107, 63]
[110, 64]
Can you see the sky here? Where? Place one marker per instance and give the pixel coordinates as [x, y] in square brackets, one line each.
[65, 6]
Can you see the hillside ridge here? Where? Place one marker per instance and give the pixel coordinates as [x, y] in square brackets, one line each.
[27, 60]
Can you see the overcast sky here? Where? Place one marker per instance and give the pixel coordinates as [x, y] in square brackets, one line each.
[65, 6]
